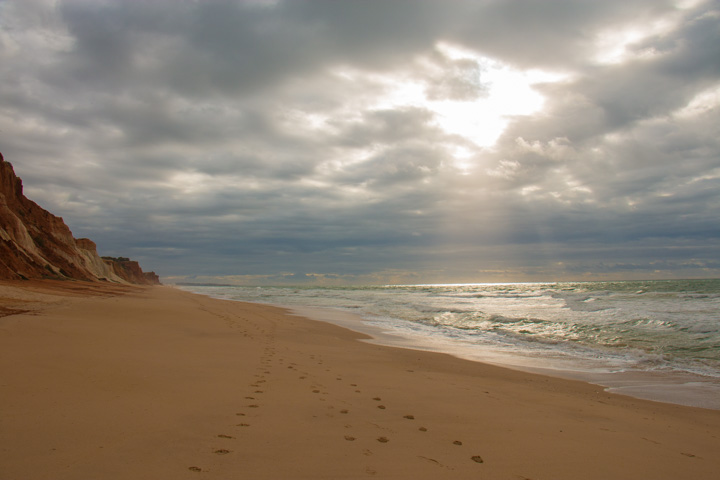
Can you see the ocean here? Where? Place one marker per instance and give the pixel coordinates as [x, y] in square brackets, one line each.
[658, 340]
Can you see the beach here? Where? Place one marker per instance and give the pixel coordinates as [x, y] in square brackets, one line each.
[112, 382]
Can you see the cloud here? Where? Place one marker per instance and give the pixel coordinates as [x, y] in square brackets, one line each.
[308, 140]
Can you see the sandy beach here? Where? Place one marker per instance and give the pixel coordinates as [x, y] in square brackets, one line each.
[156, 383]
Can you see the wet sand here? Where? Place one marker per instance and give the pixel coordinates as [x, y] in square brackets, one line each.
[126, 382]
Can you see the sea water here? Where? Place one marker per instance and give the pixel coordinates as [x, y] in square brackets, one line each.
[652, 339]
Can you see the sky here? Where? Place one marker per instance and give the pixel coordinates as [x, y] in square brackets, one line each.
[373, 141]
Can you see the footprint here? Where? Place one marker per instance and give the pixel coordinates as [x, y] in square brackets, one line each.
[195, 469]
[349, 438]
[457, 442]
[243, 425]
[383, 439]
[222, 435]
[253, 406]
[381, 407]
[477, 459]
[422, 429]
[344, 411]
[377, 399]
[410, 417]
[222, 451]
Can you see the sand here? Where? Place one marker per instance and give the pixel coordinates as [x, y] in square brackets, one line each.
[157, 383]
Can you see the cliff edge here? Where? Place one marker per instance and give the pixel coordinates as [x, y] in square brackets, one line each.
[34, 243]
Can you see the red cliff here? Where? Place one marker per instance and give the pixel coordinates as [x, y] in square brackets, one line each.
[34, 243]
[130, 271]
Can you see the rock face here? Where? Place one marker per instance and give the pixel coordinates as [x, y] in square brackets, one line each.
[130, 270]
[34, 243]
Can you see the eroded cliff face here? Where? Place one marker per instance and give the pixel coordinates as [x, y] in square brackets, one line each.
[34, 243]
[130, 270]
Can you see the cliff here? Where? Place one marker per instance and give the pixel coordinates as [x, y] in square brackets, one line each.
[34, 243]
[130, 271]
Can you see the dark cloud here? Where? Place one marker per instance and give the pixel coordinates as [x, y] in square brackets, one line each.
[303, 141]
[556, 33]
[383, 127]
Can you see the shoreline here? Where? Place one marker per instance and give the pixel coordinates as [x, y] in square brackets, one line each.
[661, 368]
[157, 382]
[677, 388]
